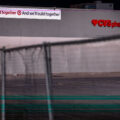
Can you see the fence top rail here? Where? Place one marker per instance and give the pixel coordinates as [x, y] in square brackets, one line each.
[85, 41]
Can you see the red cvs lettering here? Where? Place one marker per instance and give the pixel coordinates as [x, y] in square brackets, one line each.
[94, 22]
[102, 23]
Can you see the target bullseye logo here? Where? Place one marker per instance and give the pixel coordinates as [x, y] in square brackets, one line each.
[19, 12]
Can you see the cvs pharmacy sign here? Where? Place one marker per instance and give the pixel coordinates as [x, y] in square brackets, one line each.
[105, 23]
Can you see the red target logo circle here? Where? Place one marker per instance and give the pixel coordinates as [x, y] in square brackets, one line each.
[19, 12]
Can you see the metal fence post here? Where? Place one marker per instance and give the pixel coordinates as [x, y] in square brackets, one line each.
[47, 59]
[3, 71]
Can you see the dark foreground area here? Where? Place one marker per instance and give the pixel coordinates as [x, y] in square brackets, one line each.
[73, 99]
[65, 116]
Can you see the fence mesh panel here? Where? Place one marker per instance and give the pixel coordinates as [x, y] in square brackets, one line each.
[86, 81]
[25, 85]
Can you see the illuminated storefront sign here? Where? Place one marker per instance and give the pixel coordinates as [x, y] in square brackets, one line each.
[105, 23]
[30, 13]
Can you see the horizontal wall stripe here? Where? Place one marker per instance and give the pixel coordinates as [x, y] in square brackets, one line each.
[95, 111]
[64, 106]
[62, 97]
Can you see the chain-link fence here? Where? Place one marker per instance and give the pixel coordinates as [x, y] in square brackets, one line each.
[1, 87]
[77, 80]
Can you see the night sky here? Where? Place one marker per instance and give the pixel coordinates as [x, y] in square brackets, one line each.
[53, 3]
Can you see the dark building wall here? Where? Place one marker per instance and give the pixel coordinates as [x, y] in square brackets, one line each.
[77, 24]
[74, 23]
